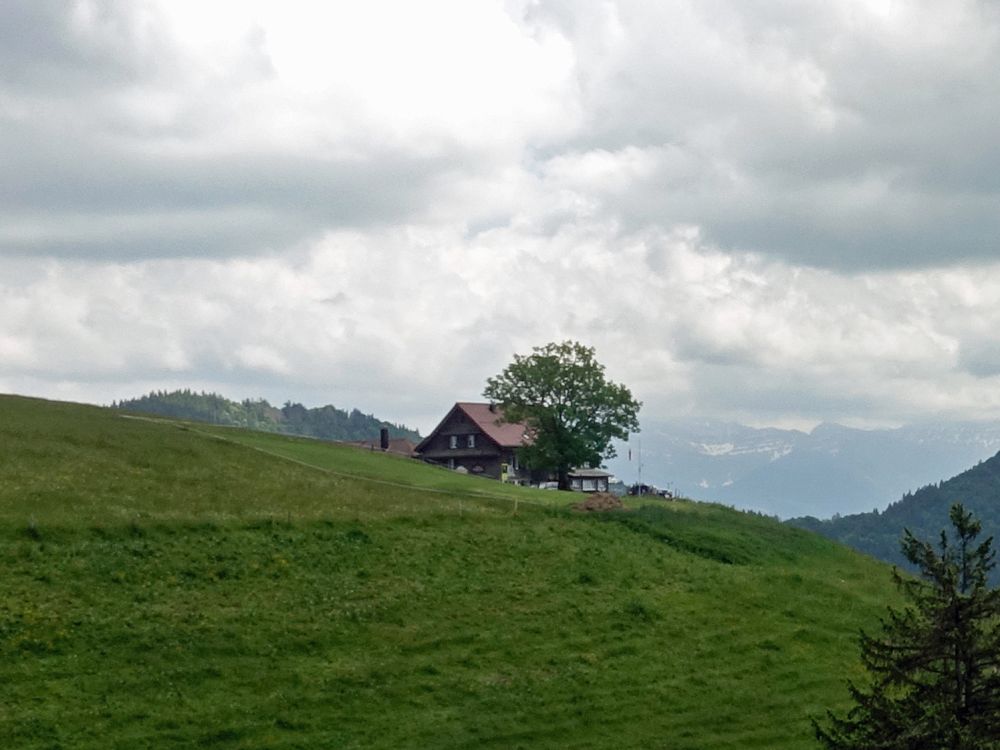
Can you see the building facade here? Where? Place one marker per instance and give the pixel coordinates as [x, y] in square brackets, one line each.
[472, 437]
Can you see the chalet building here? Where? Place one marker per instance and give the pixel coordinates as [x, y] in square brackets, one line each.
[472, 437]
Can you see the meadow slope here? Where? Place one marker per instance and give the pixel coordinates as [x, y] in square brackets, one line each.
[170, 586]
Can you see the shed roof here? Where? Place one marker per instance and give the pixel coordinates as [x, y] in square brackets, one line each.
[590, 473]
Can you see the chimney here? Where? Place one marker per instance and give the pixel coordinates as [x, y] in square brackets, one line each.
[383, 438]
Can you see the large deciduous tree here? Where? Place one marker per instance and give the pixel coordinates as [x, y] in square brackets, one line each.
[571, 409]
[934, 670]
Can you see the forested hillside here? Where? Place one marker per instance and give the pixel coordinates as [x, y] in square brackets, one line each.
[327, 422]
[924, 512]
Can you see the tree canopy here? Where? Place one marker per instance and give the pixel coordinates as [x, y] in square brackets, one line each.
[573, 412]
[934, 669]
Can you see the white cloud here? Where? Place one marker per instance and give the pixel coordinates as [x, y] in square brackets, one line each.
[778, 211]
[408, 319]
[341, 81]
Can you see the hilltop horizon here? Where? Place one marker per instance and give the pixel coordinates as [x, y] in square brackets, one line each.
[423, 418]
[831, 469]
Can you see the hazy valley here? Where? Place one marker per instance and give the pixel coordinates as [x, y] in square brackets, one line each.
[788, 473]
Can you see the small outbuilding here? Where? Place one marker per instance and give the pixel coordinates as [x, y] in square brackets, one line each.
[589, 480]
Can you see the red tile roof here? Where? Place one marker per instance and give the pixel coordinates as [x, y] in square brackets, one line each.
[504, 434]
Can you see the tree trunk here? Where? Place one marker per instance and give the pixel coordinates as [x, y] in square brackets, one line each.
[564, 478]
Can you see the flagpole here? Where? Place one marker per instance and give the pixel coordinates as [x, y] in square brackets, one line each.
[640, 464]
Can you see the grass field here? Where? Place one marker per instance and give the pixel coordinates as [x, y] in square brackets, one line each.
[167, 585]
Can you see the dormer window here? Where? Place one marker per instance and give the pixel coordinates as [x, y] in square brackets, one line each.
[453, 442]
[470, 441]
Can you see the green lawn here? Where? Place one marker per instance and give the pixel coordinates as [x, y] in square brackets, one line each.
[168, 586]
[388, 470]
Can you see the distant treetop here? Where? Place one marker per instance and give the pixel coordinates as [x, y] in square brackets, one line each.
[326, 422]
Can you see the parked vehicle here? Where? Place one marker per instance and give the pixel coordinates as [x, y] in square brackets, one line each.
[648, 490]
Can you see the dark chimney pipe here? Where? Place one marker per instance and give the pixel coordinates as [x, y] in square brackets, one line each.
[383, 438]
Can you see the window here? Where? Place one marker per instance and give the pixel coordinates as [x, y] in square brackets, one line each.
[470, 441]
[453, 442]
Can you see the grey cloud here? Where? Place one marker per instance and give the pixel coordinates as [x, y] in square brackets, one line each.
[82, 199]
[698, 349]
[83, 177]
[777, 128]
[43, 49]
[980, 358]
[853, 224]
[796, 131]
[896, 231]
[745, 391]
[80, 174]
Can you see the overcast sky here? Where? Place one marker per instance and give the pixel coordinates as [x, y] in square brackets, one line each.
[775, 211]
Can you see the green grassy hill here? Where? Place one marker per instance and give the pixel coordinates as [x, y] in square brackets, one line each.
[170, 585]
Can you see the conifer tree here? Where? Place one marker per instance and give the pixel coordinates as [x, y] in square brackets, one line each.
[935, 668]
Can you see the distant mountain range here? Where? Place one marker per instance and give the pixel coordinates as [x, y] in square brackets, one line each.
[924, 513]
[830, 470]
[326, 422]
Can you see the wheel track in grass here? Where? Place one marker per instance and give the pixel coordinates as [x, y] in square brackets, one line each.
[189, 427]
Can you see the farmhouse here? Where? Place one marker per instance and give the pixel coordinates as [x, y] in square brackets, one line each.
[473, 438]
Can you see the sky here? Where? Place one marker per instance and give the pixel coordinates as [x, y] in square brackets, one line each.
[779, 212]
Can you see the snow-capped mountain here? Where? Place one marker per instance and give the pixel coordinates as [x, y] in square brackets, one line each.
[832, 469]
